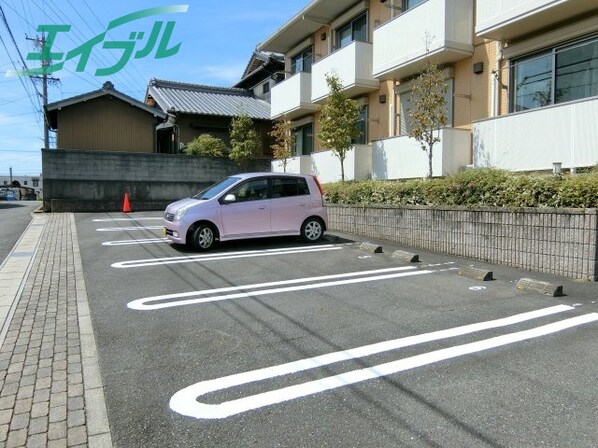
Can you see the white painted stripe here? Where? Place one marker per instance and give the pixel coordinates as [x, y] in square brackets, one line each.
[220, 256]
[128, 229]
[145, 304]
[185, 401]
[140, 218]
[134, 242]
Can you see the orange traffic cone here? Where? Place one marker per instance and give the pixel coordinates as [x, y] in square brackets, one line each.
[126, 205]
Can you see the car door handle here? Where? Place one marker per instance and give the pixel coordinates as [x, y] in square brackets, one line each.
[262, 208]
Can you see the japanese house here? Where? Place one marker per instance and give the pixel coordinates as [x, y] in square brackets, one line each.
[194, 109]
[105, 120]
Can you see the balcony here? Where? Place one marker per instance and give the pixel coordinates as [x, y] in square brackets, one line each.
[440, 29]
[292, 97]
[509, 19]
[535, 139]
[402, 157]
[353, 66]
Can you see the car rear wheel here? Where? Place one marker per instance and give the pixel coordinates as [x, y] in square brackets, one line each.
[203, 237]
[312, 230]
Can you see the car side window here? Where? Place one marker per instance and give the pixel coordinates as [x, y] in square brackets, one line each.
[283, 187]
[252, 190]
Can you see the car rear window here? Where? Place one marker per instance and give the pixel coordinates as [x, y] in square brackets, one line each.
[283, 187]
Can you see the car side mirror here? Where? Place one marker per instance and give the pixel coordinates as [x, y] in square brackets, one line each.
[230, 198]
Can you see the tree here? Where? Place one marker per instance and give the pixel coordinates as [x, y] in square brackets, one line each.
[244, 140]
[429, 109]
[205, 145]
[338, 122]
[282, 132]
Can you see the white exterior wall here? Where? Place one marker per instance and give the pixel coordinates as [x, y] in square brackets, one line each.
[535, 139]
[353, 66]
[403, 158]
[296, 165]
[358, 163]
[442, 28]
[292, 96]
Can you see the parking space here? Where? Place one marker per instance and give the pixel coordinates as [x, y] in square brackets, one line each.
[276, 342]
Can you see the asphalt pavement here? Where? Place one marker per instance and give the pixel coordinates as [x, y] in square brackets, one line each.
[110, 336]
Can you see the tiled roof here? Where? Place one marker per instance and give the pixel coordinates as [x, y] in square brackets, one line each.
[207, 100]
[107, 89]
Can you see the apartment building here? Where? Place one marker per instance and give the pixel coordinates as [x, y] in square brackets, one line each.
[512, 67]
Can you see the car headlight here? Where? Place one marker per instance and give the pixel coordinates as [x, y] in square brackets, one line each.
[180, 213]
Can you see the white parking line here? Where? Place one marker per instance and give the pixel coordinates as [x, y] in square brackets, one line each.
[167, 301]
[185, 401]
[133, 242]
[128, 229]
[222, 256]
[140, 218]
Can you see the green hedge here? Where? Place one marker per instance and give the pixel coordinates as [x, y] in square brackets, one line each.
[474, 188]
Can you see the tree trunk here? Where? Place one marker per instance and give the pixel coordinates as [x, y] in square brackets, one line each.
[430, 162]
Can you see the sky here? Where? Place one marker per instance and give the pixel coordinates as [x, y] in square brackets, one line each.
[217, 39]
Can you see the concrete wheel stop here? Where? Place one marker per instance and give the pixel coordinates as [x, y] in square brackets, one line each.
[475, 273]
[529, 284]
[371, 247]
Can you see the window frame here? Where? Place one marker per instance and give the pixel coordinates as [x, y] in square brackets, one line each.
[404, 119]
[338, 44]
[301, 56]
[296, 140]
[553, 53]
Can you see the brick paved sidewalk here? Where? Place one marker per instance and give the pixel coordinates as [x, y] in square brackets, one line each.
[51, 393]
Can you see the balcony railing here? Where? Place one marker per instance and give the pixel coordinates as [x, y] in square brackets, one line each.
[403, 158]
[507, 19]
[292, 97]
[353, 66]
[535, 139]
[440, 29]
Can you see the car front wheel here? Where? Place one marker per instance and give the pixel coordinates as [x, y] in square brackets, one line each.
[203, 237]
[312, 230]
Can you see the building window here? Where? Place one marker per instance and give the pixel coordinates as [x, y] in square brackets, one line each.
[408, 4]
[265, 87]
[302, 62]
[36, 182]
[561, 74]
[362, 125]
[406, 105]
[304, 140]
[24, 182]
[355, 30]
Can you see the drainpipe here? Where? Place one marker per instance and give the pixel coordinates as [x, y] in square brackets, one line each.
[393, 116]
[497, 84]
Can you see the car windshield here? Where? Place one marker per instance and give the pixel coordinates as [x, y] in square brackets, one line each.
[216, 189]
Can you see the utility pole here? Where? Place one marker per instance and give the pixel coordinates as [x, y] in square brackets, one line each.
[41, 43]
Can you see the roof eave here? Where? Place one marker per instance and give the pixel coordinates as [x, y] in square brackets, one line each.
[315, 15]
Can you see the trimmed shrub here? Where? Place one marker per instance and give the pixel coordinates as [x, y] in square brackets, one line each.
[474, 188]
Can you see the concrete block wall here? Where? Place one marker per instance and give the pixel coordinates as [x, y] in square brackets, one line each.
[98, 180]
[555, 241]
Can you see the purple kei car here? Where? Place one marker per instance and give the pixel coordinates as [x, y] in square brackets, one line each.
[249, 205]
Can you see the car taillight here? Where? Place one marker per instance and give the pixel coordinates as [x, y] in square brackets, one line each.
[319, 188]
